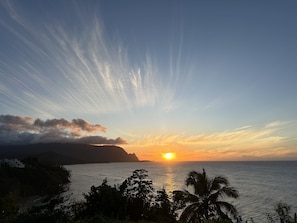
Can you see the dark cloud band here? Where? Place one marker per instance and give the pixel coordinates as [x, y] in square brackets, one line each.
[27, 130]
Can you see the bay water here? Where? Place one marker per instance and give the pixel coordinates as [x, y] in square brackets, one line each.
[261, 185]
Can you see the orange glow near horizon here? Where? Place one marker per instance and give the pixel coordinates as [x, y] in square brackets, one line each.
[168, 156]
[246, 143]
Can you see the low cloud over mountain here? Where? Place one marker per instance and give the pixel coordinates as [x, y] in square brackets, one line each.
[27, 130]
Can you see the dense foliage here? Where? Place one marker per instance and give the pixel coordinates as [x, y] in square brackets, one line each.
[135, 200]
[17, 185]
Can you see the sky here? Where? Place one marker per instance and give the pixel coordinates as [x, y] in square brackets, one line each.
[206, 80]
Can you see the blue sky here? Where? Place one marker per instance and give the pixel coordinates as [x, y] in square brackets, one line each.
[208, 80]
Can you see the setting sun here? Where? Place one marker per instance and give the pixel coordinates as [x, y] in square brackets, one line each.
[168, 156]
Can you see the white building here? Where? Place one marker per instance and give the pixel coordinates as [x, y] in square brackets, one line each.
[12, 163]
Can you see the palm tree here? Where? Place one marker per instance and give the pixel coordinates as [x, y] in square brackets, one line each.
[205, 203]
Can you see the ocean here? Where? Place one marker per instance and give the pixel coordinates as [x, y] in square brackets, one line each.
[261, 185]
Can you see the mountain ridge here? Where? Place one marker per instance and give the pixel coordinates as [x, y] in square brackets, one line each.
[68, 153]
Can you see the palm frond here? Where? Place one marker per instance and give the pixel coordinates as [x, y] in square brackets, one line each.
[228, 207]
[218, 181]
[229, 192]
[199, 181]
[190, 213]
[224, 192]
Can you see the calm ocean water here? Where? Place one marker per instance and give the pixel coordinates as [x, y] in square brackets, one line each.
[261, 185]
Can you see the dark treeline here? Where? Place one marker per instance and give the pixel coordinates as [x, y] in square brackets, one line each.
[135, 200]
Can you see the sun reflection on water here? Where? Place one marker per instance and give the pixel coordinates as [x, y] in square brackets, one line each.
[169, 182]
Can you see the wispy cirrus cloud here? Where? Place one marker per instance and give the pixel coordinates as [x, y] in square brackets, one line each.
[237, 136]
[65, 68]
[26, 130]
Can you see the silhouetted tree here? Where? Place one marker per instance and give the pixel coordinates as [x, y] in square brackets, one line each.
[205, 203]
[138, 190]
[163, 209]
[282, 214]
[283, 211]
[104, 200]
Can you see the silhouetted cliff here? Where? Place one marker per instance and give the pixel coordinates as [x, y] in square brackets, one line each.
[67, 153]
